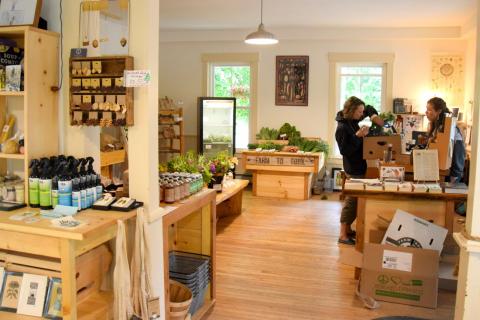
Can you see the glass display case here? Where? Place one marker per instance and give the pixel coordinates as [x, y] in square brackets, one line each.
[216, 117]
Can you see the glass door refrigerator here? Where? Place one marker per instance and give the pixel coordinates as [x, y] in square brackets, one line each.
[216, 125]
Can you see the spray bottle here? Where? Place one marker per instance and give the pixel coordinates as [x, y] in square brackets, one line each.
[91, 182]
[54, 165]
[76, 194]
[45, 184]
[64, 185]
[83, 182]
[33, 188]
[98, 187]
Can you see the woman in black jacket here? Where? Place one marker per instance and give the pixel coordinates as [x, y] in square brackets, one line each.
[349, 138]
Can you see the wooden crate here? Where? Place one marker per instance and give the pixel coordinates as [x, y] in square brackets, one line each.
[91, 268]
[86, 89]
[286, 185]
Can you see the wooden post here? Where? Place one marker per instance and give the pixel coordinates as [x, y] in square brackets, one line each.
[69, 290]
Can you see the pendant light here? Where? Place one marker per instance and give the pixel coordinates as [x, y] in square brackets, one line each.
[261, 36]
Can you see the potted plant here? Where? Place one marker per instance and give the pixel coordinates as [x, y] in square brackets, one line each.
[218, 167]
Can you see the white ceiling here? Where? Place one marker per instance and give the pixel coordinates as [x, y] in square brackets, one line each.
[245, 14]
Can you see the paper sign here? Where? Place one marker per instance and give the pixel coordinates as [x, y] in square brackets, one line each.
[395, 260]
[137, 78]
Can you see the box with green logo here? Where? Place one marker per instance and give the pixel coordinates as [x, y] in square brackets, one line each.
[400, 275]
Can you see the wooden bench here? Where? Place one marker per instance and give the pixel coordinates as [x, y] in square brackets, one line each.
[229, 201]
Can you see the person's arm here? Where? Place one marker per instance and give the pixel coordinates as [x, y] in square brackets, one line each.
[371, 112]
[458, 161]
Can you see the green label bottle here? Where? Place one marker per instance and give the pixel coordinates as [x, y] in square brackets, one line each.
[33, 192]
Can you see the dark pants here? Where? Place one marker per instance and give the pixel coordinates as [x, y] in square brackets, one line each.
[349, 210]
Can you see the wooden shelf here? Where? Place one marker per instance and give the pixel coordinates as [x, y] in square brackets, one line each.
[168, 112]
[16, 156]
[169, 151]
[98, 75]
[12, 93]
[169, 123]
[112, 157]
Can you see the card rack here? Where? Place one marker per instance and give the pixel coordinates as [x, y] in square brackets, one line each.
[97, 93]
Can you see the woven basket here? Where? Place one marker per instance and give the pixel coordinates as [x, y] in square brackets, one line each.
[180, 300]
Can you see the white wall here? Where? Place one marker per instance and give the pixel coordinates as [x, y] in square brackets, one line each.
[181, 75]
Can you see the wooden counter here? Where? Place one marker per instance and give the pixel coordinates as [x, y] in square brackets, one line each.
[229, 201]
[374, 206]
[41, 238]
[283, 174]
[190, 226]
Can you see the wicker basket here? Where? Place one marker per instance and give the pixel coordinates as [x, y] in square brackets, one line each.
[180, 300]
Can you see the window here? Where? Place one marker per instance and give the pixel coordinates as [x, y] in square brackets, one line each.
[362, 81]
[234, 74]
[234, 81]
[367, 76]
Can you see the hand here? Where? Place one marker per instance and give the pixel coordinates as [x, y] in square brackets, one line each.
[362, 132]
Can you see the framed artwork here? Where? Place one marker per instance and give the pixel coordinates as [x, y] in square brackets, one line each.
[10, 291]
[53, 304]
[291, 81]
[32, 295]
[337, 178]
[20, 12]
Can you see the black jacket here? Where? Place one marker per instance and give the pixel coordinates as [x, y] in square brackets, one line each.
[351, 146]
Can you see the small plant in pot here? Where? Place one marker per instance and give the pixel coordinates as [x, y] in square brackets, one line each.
[218, 166]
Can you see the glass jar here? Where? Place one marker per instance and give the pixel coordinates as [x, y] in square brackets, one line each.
[20, 193]
[177, 191]
[169, 193]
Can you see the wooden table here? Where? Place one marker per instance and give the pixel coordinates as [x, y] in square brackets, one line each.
[283, 174]
[439, 208]
[41, 238]
[190, 226]
[229, 201]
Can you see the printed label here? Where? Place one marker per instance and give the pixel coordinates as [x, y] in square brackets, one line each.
[395, 260]
[65, 187]
[33, 192]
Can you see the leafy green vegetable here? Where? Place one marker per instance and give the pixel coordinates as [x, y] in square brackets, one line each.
[252, 146]
[290, 131]
[267, 134]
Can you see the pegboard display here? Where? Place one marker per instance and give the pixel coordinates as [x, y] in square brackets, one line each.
[97, 93]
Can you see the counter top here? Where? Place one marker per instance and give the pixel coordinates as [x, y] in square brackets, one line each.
[94, 220]
[397, 194]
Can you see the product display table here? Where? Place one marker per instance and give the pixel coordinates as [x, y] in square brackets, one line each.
[283, 174]
[41, 238]
[190, 226]
[372, 205]
[229, 201]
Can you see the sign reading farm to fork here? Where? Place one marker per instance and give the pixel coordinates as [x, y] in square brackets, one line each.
[273, 160]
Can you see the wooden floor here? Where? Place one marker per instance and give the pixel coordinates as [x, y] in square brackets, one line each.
[278, 260]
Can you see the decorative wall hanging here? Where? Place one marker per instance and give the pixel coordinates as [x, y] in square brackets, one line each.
[104, 26]
[20, 12]
[448, 78]
[291, 81]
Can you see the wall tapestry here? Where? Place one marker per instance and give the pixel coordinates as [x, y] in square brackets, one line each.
[448, 78]
[291, 80]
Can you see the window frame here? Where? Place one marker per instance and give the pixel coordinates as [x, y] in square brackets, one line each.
[335, 60]
[234, 59]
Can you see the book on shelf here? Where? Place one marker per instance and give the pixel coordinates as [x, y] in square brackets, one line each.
[419, 187]
[456, 188]
[391, 186]
[434, 188]
[354, 185]
[374, 185]
[405, 187]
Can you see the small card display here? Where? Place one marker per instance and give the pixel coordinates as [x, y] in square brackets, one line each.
[123, 203]
[10, 291]
[32, 295]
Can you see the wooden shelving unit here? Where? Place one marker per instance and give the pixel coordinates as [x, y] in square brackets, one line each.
[39, 106]
[191, 227]
[174, 144]
[91, 91]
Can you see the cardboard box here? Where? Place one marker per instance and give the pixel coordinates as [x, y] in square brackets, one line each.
[407, 230]
[373, 147]
[400, 275]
